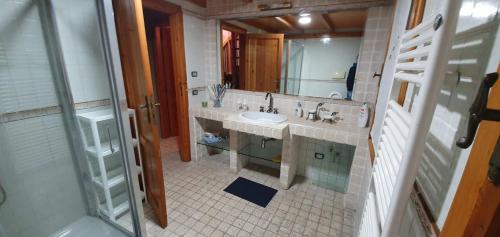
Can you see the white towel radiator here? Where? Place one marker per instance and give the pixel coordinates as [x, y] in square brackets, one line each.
[422, 59]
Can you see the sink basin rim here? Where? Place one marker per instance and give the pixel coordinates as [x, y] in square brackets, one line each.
[279, 118]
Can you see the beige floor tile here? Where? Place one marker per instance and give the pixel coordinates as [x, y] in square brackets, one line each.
[198, 206]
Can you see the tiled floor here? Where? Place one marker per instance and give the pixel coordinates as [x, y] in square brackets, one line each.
[198, 206]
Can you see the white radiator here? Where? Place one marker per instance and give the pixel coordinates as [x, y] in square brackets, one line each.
[369, 222]
[422, 60]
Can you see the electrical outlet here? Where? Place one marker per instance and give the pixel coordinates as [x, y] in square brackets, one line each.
[194, 74]
[194, 92]
[319, 156]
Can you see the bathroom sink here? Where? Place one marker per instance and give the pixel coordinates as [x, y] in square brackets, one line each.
[260, 117]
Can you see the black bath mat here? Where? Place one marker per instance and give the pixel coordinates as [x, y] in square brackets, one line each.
[251, 191]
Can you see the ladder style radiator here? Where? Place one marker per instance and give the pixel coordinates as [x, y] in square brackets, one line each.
[422, 59]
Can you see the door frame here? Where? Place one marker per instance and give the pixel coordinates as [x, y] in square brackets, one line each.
[224, 25]
[175, 18]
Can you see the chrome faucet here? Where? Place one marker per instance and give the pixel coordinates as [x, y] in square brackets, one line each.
[316, 115]
[270, 107]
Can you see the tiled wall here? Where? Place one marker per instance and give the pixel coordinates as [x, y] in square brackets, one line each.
[231, 8]
[331, 171]
[80, 42]
[372, 54]
[36, 166]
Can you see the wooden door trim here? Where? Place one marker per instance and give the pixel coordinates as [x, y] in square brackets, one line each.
[416, 16]
[477, 200]
[180, 78]
[135, 65]
[233, 28]
[175, 17]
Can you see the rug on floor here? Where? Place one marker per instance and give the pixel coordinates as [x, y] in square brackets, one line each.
[251, 191]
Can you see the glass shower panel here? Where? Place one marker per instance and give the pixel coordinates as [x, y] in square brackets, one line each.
[53, 73]
[295, 66]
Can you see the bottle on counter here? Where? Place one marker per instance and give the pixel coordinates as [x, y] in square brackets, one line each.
[298, 111]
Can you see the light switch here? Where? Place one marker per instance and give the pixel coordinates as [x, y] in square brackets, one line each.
[194, 74]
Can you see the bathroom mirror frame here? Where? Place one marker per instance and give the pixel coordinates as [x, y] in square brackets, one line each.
[228, 23]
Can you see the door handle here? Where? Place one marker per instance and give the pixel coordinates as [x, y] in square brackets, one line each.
[478, 111]
[145, 105]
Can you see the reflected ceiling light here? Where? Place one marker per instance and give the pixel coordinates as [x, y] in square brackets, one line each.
[326, 40]
[304, 20]
[304, 14]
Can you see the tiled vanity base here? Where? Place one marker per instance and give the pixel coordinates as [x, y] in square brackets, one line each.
[291, 133]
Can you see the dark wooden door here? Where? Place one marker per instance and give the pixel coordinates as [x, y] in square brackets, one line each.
[139, 86]
[165, 84]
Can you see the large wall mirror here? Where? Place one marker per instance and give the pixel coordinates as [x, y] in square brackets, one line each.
[308, 54]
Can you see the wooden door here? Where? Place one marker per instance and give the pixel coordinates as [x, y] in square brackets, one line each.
[475, 210]
[139, 86]
[165, 85]
[263, 53]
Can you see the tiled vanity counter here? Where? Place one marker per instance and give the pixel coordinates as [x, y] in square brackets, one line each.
[289, 132]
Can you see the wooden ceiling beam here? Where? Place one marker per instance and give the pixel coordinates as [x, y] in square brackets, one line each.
[323, 35]
[201, 3]
[290, 25]
[328, 21]
[259, 25]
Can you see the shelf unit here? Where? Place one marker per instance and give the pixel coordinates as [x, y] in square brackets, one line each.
[101, 145]
[252, 150]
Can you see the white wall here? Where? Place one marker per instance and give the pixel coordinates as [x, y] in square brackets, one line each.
[322, 60]
[195, 44]
[36, 167]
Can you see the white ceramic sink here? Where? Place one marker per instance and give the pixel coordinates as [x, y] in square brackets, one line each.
[260, 117]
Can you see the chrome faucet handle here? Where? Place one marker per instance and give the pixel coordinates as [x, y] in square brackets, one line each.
[261, 109]
[275, 111]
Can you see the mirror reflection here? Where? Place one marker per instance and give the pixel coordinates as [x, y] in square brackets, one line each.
[309, 54]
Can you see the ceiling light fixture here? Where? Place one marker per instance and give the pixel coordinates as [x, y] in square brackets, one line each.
[304, 20]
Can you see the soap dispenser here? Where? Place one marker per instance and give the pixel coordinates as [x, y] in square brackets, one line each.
[363, 116]
[298, 111]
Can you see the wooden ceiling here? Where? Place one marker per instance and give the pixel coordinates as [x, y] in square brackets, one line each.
[348, 23]
[201, 3]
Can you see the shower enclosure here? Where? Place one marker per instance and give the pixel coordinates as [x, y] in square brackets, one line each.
[291, 67]
[56, 63]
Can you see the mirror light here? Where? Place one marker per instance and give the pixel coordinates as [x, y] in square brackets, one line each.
[326, 40]
[304, 20]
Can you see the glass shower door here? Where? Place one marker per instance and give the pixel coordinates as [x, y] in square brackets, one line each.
[291, 69]
[65, 144]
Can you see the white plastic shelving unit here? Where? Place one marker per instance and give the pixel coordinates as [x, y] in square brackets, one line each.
[97, 130]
